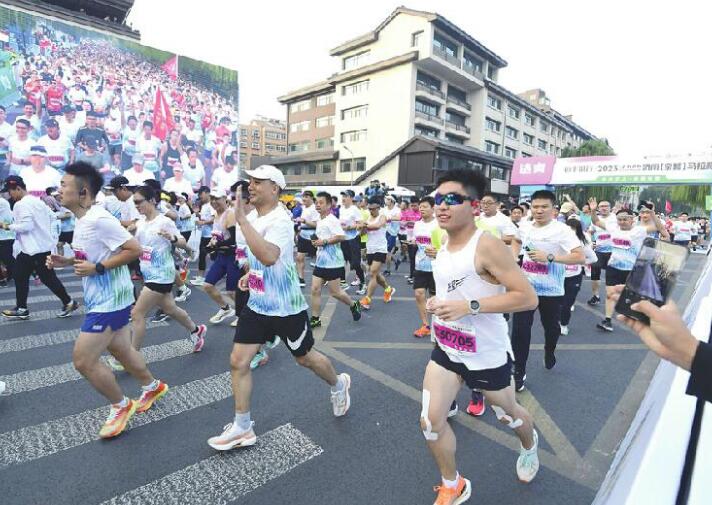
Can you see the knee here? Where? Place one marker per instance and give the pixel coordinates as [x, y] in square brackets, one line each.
[420, 294]
[82, 362]
[305, 361]
[209, 288]
[137, 316]
[239, 362]
[315, 290]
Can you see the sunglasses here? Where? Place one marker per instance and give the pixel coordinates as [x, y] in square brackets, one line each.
[451, 199]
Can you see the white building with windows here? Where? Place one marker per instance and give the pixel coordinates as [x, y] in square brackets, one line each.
[414, 96]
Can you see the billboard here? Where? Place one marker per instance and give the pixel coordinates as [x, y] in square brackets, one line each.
[151, 105]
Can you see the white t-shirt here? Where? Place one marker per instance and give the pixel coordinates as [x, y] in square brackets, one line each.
[682, 231]
[625, 247]
[376, 242]
[129, 139]
[137, 178]
[393, 227]
[38, 182]
[308, 214]
[499, 222]
[69, 129]
[422, 234]
[184, 186]
[194, 175]
[112, 127]
[149, 149]
[221, 179]
[601, 236]
[33, 226]
[156, 257]
[207, 212]
[330, 255]
[19, 149]
[349, 217]
[6, 131]
[57, 150]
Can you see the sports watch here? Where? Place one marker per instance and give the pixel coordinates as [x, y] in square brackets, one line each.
[474, 307]
[100, 268]
[550, 258]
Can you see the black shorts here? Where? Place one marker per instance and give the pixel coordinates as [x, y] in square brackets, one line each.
[599, 265]
[254, 328]
[66, 237]
[490, 379]
[380, 257]
[615, 277]
[694, 238]
[351, 248]
[402, 237]
[305, 246]
[186, 235]
[159, 288]
[424, 280]
[329, 274]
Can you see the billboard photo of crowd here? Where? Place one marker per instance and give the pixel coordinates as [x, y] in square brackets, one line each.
[69, 93]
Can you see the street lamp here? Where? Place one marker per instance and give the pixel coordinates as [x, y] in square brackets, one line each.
[351, 164]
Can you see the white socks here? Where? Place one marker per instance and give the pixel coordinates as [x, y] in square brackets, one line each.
[242, 422]
[123, 403]
[152, 386]
[339, 386]
[451, 483]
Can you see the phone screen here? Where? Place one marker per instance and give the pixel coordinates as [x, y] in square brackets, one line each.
[653, 276]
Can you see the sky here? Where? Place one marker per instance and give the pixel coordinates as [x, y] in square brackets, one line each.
[635, 72]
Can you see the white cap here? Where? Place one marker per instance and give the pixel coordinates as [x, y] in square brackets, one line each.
[218, 193]
[270, 173]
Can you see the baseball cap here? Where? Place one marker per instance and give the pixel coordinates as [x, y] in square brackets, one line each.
[13, 182]
[358, 198]
[91, 113]
[68, 108]
[117, 182]
[348, 192]
[268, 172]
[218, 193]
[137, 159]
[566, 207]
[51, 123]
[38, 150]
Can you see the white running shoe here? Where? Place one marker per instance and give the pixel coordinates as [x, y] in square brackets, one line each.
[573, 307]
[231, 438]
[341, 400]
[197, 281]
[3, 386]
[564, 330]
[114, 364]
[198, 338]
[356, 283]
[183, 294]
[222, 314]
[528, 461]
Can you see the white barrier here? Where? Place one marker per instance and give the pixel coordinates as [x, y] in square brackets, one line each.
[648, 464]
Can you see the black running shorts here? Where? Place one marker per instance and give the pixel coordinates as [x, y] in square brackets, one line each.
[305, 246]
[424, 280]
[491, 379]
[600, 265]
[329, 274]
[615, 277]
[254, 328]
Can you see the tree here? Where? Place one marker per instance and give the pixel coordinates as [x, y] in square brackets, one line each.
[593, 147]
[689, 198]
[581, 194]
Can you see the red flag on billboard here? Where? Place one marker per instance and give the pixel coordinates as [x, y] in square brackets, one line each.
[162, 116]
[668, 207]
[171, 67]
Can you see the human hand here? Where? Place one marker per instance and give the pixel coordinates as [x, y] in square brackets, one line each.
[84, 268]
[431, 252]
[538, 256]
[243, 283]
[448, 310]
[592, 204]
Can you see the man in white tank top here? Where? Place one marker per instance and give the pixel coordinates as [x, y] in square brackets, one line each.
[476, 281]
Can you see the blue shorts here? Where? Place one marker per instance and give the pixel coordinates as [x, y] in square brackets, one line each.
[223, 266]
[98, 322]
[391, 242]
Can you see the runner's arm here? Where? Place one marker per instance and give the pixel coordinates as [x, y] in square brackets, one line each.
[378, 224]
[575, 257]
[266, 252]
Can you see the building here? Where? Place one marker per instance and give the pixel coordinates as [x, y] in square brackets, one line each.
[262, 137]
[414, 96]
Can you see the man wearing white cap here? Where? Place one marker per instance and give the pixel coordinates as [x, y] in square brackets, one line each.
[276, 305]
[38, 177]
[137, 175]
[178, 184]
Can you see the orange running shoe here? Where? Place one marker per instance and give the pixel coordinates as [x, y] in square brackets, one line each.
[388, 294]
[453, 495]
[423, 331]
[365, 303]
[117, 420]
[149, 397]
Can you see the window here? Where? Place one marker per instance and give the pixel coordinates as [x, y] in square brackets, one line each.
[426, 107]
[355, 88]
[544, 126]
[513, 112]
[444, 45]
[269, 147]
[323, 144]
[356, 60]
[526, 155]
[427, 80]
[455, 118]
[558, 151]
[510, 153]
[498, 173]
[359, 165]
[528, 139]
[492, 125]
[243, 132]
[415, 38]
[300, 106]
[243, 144]
[552, 149]
[301, 126]
[528, 119]
[280, 148]
[457, 94]
[311, 168]
[275, 135]
[426, 132]
[326, 167]
[298, 170]
[491, 147]
[454, 140]
[299, 147]
[324, 121]
[491, 72]
[494, 102]
[541, 144]
[322, 100]
[353, 136]
[471, 63]
[512, 133]
[355, 112]
[255, 134]
[255, 145]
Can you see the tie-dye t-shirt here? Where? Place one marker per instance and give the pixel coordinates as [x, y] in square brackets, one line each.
[274, 290]
[422, 233]
[156, 257]
[625, 247]
[97, 236]
[556, 238]
[329, 255]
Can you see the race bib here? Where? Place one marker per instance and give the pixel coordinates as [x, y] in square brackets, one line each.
[572, 268]
[410, 224]
[240, 253]
[256, 281]
[621, 243]
[423, 240]
[534, 267]
[80, 255]
[146, 252]
[457, 338]
[603, 236]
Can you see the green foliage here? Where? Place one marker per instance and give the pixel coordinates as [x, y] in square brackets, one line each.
[689, 198]
[595, 147]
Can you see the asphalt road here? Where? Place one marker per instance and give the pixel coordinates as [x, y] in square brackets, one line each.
[50, 452]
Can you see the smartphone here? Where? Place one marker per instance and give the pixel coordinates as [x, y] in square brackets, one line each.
[244, 190]
[653, 276]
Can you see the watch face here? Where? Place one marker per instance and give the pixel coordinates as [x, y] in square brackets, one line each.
[474, 306]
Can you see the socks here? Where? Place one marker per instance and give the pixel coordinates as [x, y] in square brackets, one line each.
[242, 422]
[451, 483]
[152, 386]
[226, 307]
[339, 386]
[123, 403]
[608, 319]
[195, 330]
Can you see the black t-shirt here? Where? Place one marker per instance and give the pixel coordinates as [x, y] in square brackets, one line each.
[98, 134]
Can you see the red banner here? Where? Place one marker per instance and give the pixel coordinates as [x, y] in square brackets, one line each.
[668, 207]
[162, 117]
[171, 67]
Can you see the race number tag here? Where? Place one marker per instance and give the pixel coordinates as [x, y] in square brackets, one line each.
[621, 243]
[533, 267]
[256, 281]
[146, 252]
[455, 337]
[603, 236]
[410, 224]
[572, 268]
[423, 240]
[80, 255]
[240, 253]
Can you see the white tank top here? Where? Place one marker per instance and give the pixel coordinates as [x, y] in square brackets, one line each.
[479, 342]
[376, 242]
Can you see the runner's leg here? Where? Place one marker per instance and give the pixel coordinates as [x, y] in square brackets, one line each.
[147, 299]
[87, 350]
[316, 285]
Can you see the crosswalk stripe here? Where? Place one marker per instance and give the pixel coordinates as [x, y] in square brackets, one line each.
[39, 315]
[29, 380]
[226, 477]
[46, 339]
[9, 291]
[75, 295]
[44, 439]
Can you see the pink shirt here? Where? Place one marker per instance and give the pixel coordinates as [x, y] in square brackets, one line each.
[407, 222]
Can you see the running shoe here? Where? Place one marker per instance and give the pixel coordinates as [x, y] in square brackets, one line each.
[356, 310]
[197, 338]
[365, 303]
[314, 322]
[454, 409]
[453, 495]
[37, 281]
[605, 325]
[356, 283]
[302, 283]
[117, 420]
[388, 294]
[409, 280]
[519, 384]
[573, 307]
[16, 313]
[68, 309]
[183, 294]
[312, 264]
[386, 273]
[564, 330]
[229, 439]
[197, 281]
[397, 263]
[271, 345]
[477, 404]
[549, 360]
[361, 290]
[341, 400]
[528, 461]
[594, 300]
[3, 386]
[159, 316]
[234, 323]
[345, 285]
[148, 398]
[222, 314]
[114, 364]
[423, 331]
[259, 359]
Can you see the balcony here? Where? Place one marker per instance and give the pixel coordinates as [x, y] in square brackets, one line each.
[429, 92]
[428, 118]
[453, 68]
[457, 129]
[444, 55]
[472, 70]
[459, 106]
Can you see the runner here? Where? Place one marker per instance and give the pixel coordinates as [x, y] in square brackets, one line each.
[7, 240]
[376, 250]
[19, 146]
[682, 228]
[393, 214]
[276, 306]
[602, 248]
[34, 241]
[646, 215]
[330, 262]
[350, 219]
[408, 219]
[148, 146]
[307, 226]
[66, 223]
[548, 246]
[59, 148]
[476, 281]
[38, 176]
[137, 174]
[206, 218]
[492, 219]
[102, 249]
[423, 281]
[573, 274]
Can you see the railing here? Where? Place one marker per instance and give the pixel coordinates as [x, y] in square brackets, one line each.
[458, 62]
[459, 127]
[472, 70]
[429, 89]
[459, 102]
[446, 56]
[429, 117]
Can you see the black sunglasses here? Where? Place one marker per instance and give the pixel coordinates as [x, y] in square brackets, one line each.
[451, 199]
